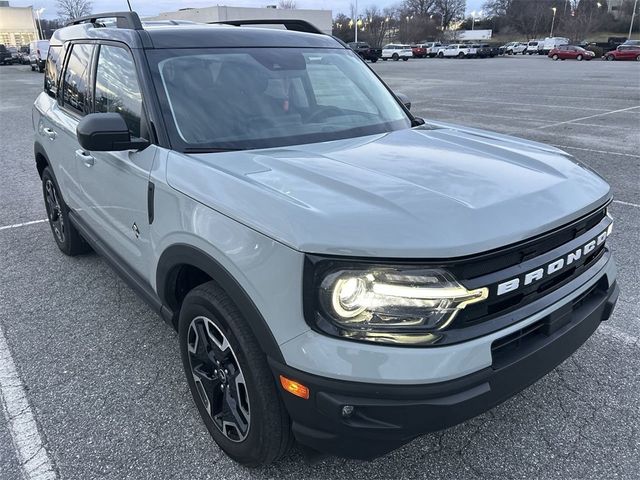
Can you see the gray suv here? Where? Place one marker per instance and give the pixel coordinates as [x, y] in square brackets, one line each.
[340, 272]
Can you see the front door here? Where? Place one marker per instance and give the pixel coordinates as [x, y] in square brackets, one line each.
[115, 184]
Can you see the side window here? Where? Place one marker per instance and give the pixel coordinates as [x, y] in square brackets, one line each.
[75, 90]
[117, 87]
[51, 71]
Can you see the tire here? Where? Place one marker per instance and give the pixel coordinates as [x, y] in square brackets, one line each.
[68, 239]
[33, 69]
[638, 58]
[611, 58]
[579, 58]
[555, 57]
[374, 60]
[461, 55]
[384, 59]
[440, 55]
[404, 59]
[395, 57]
[208, 320]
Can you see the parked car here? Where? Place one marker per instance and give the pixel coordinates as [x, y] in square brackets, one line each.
[515, 48]
[573, 52]
[459, 50]
[624, 52]
[5, 55]
[432, 48]
[396, 52]
[38, 50]
[339, 272]
[552, 42]
[485, 50]
[23, 55]
[419, 51]
[534, 47]
[635, 43]
[366, 51]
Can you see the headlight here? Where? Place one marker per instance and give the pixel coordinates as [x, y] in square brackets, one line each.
[389, 304]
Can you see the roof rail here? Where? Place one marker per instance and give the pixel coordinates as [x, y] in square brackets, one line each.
[129, 20]
[295, 25]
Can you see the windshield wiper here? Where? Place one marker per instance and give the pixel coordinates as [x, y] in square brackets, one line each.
[210, 150]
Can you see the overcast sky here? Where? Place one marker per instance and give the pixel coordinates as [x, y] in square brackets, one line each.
[152, 7]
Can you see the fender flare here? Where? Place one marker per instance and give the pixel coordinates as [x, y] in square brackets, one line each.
[183, 254]
[38, 150]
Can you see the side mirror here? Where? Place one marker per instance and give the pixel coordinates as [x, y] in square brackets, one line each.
[404, 99]
[106, 132]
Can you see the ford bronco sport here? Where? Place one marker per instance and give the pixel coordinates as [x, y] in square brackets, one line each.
[339, 271]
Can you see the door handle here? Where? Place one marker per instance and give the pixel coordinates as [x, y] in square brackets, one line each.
[86, 158]
[49, 132]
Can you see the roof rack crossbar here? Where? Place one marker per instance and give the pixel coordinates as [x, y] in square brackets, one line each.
[129, 20]
[294, 25]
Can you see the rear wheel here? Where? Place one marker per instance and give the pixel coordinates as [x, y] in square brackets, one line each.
[555, 57]
[68, 239]
[395, 57]
[579, 58]
[440, 55]
[230, 381]
[374, 60]
[461, 55]
[611, 58]
[404, 59]
[638, 58]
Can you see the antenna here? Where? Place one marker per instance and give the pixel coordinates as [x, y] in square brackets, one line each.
[129, 3]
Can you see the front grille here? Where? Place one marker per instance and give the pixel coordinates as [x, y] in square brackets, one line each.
[510, 347]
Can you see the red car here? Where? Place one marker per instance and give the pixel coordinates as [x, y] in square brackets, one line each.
[571, 51]
[624, 52]
[419, 51]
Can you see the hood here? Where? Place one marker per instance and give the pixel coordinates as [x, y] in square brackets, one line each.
[435, 191]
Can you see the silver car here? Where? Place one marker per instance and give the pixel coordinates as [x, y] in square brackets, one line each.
[340, 271]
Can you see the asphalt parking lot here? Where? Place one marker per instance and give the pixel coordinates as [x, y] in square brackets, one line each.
[102, 373]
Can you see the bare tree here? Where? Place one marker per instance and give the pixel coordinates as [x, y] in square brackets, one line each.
[287, 4]
[69, 9]
[450, 10]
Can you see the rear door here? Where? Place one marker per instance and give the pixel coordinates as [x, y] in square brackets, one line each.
[115, 184]
[73, 103]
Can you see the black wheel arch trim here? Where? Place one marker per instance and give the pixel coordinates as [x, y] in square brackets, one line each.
[180, 254]
[39, 151]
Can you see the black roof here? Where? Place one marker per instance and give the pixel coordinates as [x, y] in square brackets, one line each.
[156, 34]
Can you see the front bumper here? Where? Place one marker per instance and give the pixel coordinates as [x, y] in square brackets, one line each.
[386, 416]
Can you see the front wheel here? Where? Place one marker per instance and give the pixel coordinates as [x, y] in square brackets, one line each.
[579, 58]
[638, 58]
[461, 55]
[384, 59]
[611, 58]
[404, 59]
[230, 381]
[555, 57]
[374, 60]
[395, 57]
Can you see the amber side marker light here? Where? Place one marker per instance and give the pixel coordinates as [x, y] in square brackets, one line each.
[294, 387]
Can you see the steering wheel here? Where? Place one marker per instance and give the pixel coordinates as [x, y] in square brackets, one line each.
[322, 112]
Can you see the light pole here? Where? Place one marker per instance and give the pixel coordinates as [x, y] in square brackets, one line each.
[473, 20]
[38, 13]
[633, 16]
[553, 20]
[355, 23]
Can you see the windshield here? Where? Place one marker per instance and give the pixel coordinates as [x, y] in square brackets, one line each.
[257, 97]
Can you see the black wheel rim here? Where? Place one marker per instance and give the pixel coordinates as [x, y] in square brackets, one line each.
[54, 211]
[218, 378]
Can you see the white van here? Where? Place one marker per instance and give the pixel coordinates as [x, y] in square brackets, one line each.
[396, 52]
[552, 42]
[38, 51]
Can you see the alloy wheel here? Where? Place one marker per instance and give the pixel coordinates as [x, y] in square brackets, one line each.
[54, 211]
[219, 379]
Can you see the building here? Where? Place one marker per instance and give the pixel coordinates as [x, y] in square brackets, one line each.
[321, 19]
[17, 25]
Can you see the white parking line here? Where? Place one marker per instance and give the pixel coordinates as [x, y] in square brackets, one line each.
[34, 459]
[590, 116]
[627, 203]
[18, 225]
[607, 152]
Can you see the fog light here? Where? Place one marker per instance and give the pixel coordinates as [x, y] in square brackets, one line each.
[347, 410]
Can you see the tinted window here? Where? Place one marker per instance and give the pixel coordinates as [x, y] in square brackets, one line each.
[76, 79]
[51, 71]
[117, 87]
